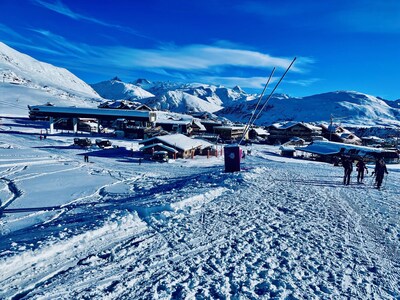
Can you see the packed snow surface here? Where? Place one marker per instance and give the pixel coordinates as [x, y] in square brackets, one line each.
[116, 229]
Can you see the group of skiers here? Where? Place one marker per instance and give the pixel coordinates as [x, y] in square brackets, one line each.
[379, 171]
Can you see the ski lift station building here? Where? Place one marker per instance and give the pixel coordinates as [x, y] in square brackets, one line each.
[54, 113]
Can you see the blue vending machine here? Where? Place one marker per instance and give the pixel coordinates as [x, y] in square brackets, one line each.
[232, 154]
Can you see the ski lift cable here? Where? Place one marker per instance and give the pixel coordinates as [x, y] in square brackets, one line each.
[247, 128]
[276, 86]
[269, 97]
[339, 118]
[262, 94]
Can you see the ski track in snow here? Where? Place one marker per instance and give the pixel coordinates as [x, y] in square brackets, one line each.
[278, 229]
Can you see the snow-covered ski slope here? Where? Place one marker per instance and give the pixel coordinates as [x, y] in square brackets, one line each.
[27, 81]
[116, 229]
[19, 68]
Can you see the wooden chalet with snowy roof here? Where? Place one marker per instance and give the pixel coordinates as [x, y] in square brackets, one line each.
[198, 127]
[229, 132]
[177, 145]
[258, 133]
[174, 122]
[208, 120]
[150, 149]
[336, 133]
[283, 132]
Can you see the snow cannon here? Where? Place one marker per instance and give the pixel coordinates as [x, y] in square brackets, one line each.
[232, 154]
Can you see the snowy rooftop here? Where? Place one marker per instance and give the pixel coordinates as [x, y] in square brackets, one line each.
[330, 148]
[260, 131]
[176, 118]
[180, 141]
[83, 111]
[233, 127]
[198, 123]
[287, 125]
[170, 149]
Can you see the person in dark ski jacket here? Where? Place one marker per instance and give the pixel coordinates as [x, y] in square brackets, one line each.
[361, 168]
[347, 164]
[380, 170]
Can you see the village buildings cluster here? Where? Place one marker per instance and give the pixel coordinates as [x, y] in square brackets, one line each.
[186, 135]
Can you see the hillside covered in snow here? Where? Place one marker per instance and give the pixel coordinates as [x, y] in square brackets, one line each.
[27, 81]
[345, 107]
[115, 89]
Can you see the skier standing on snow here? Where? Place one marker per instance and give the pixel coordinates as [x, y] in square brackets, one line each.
[380, 170]
[361, 167]
[347, 164]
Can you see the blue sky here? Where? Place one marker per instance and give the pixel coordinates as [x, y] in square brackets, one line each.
[339, 45]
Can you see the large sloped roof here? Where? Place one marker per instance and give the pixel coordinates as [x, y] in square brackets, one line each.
[170, 149]
[260, 131]
[331, 148]
[179, 141]
[175, 118]
[287, 125]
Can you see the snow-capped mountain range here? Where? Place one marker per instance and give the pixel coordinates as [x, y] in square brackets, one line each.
[345, 107]
[27, 81]
[177, 97]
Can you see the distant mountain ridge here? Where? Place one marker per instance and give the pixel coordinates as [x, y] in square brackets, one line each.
[345, 107]
[178, 97]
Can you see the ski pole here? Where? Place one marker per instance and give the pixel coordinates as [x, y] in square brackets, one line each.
[384, 182]
[373, 180]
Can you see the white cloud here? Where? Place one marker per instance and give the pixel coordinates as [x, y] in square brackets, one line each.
[63, 45]
[12, 33]
[193, 57]
[245, 82]
[303, 82]
[254, 82]
[196, 58]
[62, 9]
[193, 62]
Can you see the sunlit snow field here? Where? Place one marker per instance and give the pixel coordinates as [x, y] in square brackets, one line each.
[113, 228]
